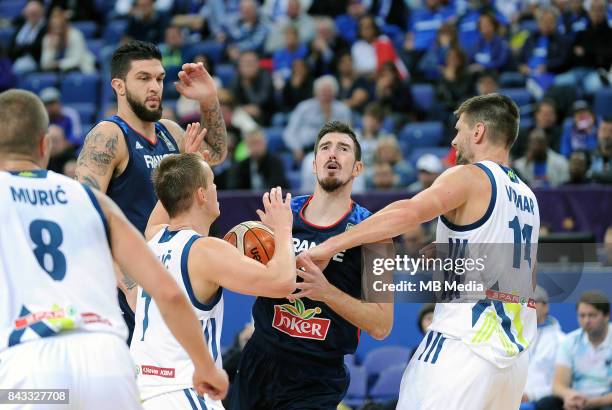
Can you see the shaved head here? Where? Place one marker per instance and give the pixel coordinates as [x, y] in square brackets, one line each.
[24, 122]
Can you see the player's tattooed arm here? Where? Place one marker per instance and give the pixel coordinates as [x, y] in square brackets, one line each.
[215, 141]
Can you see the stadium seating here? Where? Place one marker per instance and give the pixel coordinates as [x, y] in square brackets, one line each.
[6, 35]
[295, 180]
[37, 81]
[88, 28]
[114, 31]
[423, 96]
[226, 73]
[96, 46]
[87, 111]
[387, 385]
[382, 358]
[521, 96]
[211, 49]
[417, 153]
[511, 79]
[10, 9]
[275, 139]
[80, 88]
[358, 386]
[287, 159]
[603, 102]
[421, 134]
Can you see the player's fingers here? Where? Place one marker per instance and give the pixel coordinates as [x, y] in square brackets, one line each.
[266, 201]
[307, 263]
[184, 78]
[287, 202]
[273, 197]
[302, 294]
[201, 136]
[261, 214]
[279, 195]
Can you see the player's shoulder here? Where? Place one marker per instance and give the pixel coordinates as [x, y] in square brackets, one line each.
[359, 213]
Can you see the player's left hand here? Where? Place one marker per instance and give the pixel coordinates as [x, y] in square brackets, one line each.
[196, 84]
[213, 382]
[315, 285]
[194, 136]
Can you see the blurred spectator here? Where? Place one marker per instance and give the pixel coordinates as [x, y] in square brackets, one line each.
[468, 24]
[413, 240]
[65, 117]
[543, 351]
[327, 8]
[592, 50]
[124, 8]
[545, 119]
[77, 10]
[394, 94]
[373, 49]
[541, 166]
[579, 164]
[299, 86]
[246, 31]
[7, 77]
[574, 17]
[389, 12]
[487, 83]
[235, 117]
[584, 359]
[424, 23]
[355, 91]
[456, 84]
[294, 14]
[388, 152]
[173, 48]
[348, 24]
[146, 23]
[583, 131]
[310, 115]
[601, 164]
[60, 149]
[70, 168]
[491, 51]
[262, 170]
[253, 89]
[325, 47]
[544, 53]
[370, 132]
[26, 44]
[434, 59]
[383, 177]
[284, 57]
[429, 167]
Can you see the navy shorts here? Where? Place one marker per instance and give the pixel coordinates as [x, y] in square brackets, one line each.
[267, 379]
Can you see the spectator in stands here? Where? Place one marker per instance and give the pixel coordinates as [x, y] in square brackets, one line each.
[354, 90]
[388, 151]
[326, 46]
[64, 47]
[235, 118]
[246, 31]
[579, 165]
[584, 359]
[541, 166]
[431, 64]
[371, 131]
[262, 170]
[543, 352]
[299, 86]
[146, 23]
[77, 10]
[574, 17]
[545, 117]
[395, 95]
[383, 177]
[173, 48]
[601, 164]
[456, 84]
[544, 53]
[468, 24]
[373, 50]
[347, 24]
[7, 77]
[491, 51]
[487, 83]
[253, 89]
[429, 167]
[284, 57]
[294, 15]
[124, 8]
[310, 115]
[61, 150]
[583, 132]
[424, 23]
[426, 313]
[591, 51]
[26, 44]
[65, 117]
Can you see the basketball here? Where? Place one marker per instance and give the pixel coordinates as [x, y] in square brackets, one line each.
[253, 239]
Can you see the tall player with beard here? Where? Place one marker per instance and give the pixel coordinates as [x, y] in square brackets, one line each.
[121, 151]
[295, 358]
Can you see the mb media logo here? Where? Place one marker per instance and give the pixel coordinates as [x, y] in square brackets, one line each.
[296, 321]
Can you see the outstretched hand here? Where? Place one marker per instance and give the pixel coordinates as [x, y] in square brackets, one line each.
[194, 136]
[196, 83]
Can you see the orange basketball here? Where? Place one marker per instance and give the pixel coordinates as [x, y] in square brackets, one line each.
[253, 239]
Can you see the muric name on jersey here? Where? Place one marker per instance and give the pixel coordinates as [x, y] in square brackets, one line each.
[42, 197]
[152, 161]
[304, 245]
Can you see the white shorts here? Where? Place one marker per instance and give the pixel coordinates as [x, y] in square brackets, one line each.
[185, 399]
[96, 368]
[447, 374]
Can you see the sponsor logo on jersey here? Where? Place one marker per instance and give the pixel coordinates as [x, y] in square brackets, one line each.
[168, 373]
[138, 146]
[296, 321]
[166, 141]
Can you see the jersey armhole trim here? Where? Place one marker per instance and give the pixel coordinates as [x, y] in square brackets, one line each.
[486, 216]
[96, 205]
[187, 282]
[121, 176]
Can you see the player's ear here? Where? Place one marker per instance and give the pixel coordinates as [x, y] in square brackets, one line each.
[479, 131]
[314, 165]
[118, 85]
[44, 150]
[357, 169]
[201, 195]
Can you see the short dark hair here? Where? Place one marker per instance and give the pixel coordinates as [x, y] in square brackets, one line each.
[176, 179]
[498, 112]
[425, 309]
[23, 122]
[134, 50]
[342, 128]
[596, 299]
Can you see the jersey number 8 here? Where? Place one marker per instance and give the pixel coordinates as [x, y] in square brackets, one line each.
[46, 251]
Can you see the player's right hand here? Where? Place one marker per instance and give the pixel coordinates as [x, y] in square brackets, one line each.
[319, 255]
[213, 382]
[277, 213]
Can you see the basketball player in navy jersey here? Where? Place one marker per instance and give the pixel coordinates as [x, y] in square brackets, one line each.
[295, 358]
[121, 151]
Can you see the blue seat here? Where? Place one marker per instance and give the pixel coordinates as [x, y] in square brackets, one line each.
[114, 30]
[511, 79]
[421, 134]
[287, 159]
[87, 111]
[521, 96]
[357, 390]
[9, 9]
[226, 73]
[387, 385]
[603, 102]
[211, 49]
[423, 96]
[526, 123]
[384, 357]
[80, 88]
[88, 28]
[96, 46]
[295, 180]
[6, 35]
[37, 81]
[275, 139]
[417, 153]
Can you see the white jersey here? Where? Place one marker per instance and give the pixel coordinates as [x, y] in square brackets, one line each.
[502, 324]
[163, 365]
[56, 269]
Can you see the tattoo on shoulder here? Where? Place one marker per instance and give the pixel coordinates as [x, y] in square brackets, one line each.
[128, 282]
[216, 137]
[99, 151]
[89, 181]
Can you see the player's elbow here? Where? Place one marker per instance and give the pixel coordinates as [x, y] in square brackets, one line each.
[284, 288]
[380, 331]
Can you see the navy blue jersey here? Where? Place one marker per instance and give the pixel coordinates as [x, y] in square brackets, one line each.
[306, 327]
[133, 190]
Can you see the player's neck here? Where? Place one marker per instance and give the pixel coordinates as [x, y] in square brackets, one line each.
[145, 128]
[18, 164]
[326, 208]
[499, 156]
[192, 219]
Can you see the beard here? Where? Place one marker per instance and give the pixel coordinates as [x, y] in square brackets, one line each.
[332, 184]
[141, 110]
